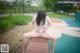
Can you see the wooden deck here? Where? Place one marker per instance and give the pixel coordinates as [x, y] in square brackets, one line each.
[37, 45]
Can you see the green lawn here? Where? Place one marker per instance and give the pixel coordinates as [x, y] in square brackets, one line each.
[56, 15]
[10, 21]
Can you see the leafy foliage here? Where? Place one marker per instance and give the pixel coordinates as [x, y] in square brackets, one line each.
[10, 21]
[49, 4]
[54, 6]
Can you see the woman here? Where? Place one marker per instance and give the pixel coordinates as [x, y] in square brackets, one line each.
[42, 23]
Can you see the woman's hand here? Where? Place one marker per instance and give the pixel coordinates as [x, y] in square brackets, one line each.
[33, 22]
[49, 24]
[44, 30]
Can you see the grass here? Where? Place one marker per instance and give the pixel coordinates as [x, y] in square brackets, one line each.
[10, 21]
[56, 15]
[20, 20]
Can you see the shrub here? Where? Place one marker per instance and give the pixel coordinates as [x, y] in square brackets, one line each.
[10, 21]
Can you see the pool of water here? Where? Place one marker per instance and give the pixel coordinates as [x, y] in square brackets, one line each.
[66, 43]
[71, 21]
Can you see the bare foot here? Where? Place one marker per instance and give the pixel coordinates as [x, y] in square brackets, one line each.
[51, 51]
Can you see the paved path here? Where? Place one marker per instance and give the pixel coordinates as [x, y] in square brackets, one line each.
[25, 14]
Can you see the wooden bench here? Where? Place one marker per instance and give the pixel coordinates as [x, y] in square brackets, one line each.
[37, 45]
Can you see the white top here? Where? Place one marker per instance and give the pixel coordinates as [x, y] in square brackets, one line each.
[46, 25]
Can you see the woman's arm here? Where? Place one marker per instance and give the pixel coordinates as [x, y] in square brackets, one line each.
[34, 20]
[49, 20]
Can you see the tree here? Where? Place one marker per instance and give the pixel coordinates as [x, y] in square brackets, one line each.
[50, 4]
[3, 6]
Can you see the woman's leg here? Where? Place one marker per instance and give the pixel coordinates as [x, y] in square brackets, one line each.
[48, 36]
[26, 37]
[31, 34]
[53, 45]
[52, 38]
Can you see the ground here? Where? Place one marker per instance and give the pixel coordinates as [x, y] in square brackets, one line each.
[14, 39]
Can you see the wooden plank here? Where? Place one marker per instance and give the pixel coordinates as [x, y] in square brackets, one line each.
[37, 45]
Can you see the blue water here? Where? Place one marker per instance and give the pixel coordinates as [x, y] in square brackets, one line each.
[67, 44]
[71, 22]
[77, 30]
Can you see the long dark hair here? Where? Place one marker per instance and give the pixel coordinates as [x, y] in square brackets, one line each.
[41, 16]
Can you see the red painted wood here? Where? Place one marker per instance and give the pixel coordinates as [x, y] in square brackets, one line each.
[37, 45]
